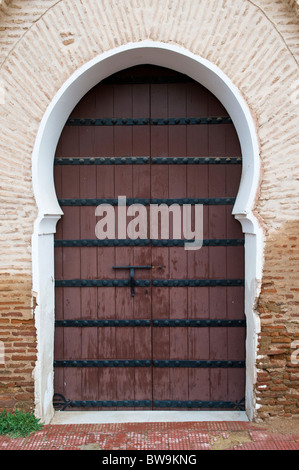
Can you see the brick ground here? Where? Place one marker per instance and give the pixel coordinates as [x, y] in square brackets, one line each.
[155, 437]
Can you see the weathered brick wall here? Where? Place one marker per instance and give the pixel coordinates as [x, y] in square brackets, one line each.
[17, 332]
[278, 374]
[256, 45]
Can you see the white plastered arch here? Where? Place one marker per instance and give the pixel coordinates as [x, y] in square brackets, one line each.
[49, 211]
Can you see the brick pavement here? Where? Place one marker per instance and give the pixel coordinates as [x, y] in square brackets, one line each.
[154, 437]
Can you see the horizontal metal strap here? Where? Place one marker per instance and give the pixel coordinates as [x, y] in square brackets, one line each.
[145, 242]
[156, 404]
[198, 404]
[108, 122]
[197, 282]
[196, 160]
[178, 322]
[149, 363]
[191, 121]
[201, 364]
[146, 283]
[110, 403]
[96, 242]
[206, 242]
[103, 363]
[147, 160]
[102, 161]
[145, 202]
[175, 121]
[202, 323]
[101, 283]
[98, 201]
[102, 323]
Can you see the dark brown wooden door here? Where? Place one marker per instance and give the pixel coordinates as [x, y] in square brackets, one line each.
[154, 136]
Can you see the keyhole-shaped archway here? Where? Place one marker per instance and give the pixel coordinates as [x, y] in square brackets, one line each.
[49, 210]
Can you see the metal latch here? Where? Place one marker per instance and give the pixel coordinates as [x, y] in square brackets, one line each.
[132, 272]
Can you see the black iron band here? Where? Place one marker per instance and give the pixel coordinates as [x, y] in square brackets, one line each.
[145, 242]
[202, 323]
[156, 404]
[179, 322]
[149, 363]
[101, 283]
[149, 121]
[103, 363]
[147, 161]
[102, 323]
[147, 283]
[60, 403]
[146, 202]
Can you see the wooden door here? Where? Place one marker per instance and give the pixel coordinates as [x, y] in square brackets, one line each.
[171, 336]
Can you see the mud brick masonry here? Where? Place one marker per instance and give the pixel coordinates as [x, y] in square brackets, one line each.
[255, 44]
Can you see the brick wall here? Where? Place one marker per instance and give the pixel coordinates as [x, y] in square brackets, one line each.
[256, 45]
[278, 372]
[18, 335]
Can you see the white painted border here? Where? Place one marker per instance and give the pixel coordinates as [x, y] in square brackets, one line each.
[49, 211]
[101, 417]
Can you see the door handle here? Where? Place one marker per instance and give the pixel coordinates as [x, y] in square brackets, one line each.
[132, 273]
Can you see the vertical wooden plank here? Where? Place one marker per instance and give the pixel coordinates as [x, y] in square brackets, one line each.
[198, 267]
[104, 147]
[67, 146]
[178, 256]
[123, 181]
[106, 311]
[177, 109]
[124, 337]
[87, 108]
[197, 136]
[217, 133]
[58, 260]
[123, 256]
[199, 379]
[160, 341]
[88, 255]
[71, 270]
[217, 255]
[141, 109]
[89, 336]
[159, 189]
[160, 296]
[143, 335]
[142, 299]
[104, 143]
[159, 109]
[58, 270]
[141, 189]
[142, 255]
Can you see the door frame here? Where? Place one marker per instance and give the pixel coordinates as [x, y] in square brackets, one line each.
[49, 211]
